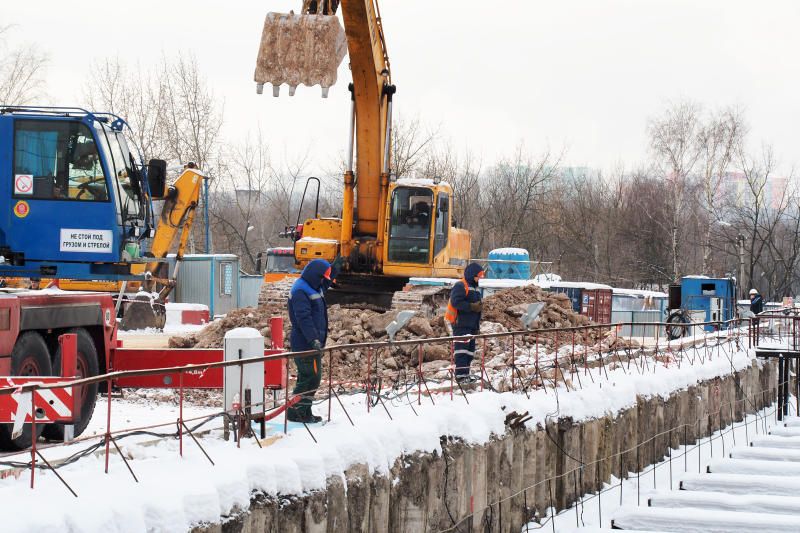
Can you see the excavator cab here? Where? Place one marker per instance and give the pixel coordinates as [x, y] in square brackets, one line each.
[77, 204]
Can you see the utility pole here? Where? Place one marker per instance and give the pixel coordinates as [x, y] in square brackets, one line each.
[205, 214]
[740, 243]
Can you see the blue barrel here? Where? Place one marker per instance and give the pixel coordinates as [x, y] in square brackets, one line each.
[501, 265]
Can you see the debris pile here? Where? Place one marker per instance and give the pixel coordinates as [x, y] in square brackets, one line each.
[501, 313]
[213, 335]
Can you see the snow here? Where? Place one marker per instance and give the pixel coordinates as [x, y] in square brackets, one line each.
[169, 330]
[725, 502]
[741, 484]
[317, 239]
[243, 333]
[504, 283]
[174, 493]
[573, 285]
[753, 467]
[185, 307]
[546, 278]
[654, 481]
[769, 441]
[765, 454]
[510, 251]
[433, 281]
[701, 520]
[639, 293]
[420, 182]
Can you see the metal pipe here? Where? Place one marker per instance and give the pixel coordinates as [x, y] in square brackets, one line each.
[351, 137]
[387, 143]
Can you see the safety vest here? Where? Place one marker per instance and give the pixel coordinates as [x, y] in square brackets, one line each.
[451, 314]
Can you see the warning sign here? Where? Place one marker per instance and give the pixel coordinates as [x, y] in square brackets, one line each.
[86, 240]
[23, 184]
[21, 209]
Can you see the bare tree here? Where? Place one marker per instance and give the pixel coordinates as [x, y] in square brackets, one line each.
[717, 139]
[21, 71]
[673, 143]
[135, 95]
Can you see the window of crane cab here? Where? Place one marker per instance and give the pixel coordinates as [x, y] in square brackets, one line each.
[57, 160]
[118, 160]
[442, 226]
[410, 225]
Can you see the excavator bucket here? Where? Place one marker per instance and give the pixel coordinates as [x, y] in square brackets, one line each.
[143, 311]
[297, 49]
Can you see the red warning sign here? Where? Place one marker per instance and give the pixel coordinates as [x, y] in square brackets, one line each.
[23, 184]
[21, 209]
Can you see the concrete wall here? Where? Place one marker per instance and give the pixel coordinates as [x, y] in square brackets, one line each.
[430, 491]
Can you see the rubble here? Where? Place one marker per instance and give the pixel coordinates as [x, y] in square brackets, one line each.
[501, 313]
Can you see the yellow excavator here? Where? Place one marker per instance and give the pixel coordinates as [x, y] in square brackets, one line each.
[391, 228]
[137, 302]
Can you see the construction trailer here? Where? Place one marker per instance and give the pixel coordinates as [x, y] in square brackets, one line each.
[593, 300]
[209, 279]
[704, 299]
[632, 306]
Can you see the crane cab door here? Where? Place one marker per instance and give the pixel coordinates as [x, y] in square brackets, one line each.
[61, 206]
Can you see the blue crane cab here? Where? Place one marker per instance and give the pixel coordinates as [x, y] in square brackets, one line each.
[76, 203]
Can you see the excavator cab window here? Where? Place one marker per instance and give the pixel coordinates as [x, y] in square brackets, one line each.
[442, 223]
[410, 225]
[57, 160]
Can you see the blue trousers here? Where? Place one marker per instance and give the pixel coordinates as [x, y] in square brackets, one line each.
[464, 352]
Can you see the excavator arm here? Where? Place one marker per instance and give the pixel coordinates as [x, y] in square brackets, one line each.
[177, 218]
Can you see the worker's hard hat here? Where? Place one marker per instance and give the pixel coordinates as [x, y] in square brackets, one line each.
[753, 291]
[327, 274]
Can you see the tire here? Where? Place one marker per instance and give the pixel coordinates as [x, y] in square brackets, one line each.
[30, 357]
[676, 325]
[88, 366]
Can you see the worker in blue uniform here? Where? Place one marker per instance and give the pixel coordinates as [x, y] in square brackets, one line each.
[464, 313]
[308, 315]
[756, 302]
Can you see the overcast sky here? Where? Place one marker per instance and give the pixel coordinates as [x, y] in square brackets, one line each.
[579, 75]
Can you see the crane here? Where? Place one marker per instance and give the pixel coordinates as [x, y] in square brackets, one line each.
[80, 207]
[391, 228]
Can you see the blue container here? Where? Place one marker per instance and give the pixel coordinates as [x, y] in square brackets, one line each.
[706, 294]
[500, 269]
[574, 294]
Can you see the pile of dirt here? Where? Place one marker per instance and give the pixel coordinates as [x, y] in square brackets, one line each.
[501, 313]
[213, 335]
[507, 306]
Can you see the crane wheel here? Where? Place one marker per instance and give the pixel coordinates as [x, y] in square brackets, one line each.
[30, 357]
[87, 367]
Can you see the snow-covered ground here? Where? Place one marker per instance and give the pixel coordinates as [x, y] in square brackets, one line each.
[686, 461]
[173, 492]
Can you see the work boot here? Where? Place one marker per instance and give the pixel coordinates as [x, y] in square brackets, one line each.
[314, 419]
[298, 414]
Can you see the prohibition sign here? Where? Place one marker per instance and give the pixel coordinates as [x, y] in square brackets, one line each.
[23, 184]
[21, 209]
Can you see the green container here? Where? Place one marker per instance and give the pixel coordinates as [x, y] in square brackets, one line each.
[132, 249]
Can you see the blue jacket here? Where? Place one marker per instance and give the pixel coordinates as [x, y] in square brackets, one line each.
[460, 299]
[757, 304]
[307, 311]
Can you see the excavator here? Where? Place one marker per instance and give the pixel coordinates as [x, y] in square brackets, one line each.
[391, 228]
[80, 212]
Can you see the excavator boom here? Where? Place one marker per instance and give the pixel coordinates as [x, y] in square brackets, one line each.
[390, 229]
